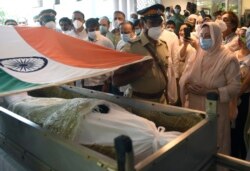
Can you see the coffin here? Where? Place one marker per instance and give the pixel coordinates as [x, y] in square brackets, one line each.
[36, 148]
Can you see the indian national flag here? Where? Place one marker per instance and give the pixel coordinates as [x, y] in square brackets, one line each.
[37, 57]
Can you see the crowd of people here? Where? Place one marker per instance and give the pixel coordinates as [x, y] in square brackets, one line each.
[192, 55]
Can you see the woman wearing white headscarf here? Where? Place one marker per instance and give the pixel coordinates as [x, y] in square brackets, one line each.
[215, 69]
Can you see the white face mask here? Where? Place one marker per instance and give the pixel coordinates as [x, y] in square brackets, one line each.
[167, 14]
[170, 29]
[117, 23]
[50, 25]
[66, 32]
[132, 20]
[93, 34]
[177, 11]
[125, 37]
[137, 32]
[155, 32]
[77, 24]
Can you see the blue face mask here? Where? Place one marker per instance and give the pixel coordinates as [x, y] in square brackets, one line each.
[205, 43]
[125, 37]
[103, 30]
[137, 32]
[177, 11]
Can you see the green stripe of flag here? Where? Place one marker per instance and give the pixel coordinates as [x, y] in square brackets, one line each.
[9, 83]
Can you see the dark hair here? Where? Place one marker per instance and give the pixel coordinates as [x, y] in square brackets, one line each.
[66, 20]
[189, 25]
[186, 13]
[128, 22]
[10, 20]
[233, 19]
[136, 22]
[170, 22]
[134, 14]
[156, 19]
[47, 11]
[167, 8]
[120, 12]
[46, 18]
[177, 6]
[209, 16]
[216, 13]
[106, 18]
[92, 22]
[79, 12]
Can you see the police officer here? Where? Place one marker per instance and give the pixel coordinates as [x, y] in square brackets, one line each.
[146, 78]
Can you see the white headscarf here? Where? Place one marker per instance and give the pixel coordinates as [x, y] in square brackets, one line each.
[222, 25]
[216, 36]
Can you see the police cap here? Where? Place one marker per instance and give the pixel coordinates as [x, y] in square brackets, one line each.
[154, 11]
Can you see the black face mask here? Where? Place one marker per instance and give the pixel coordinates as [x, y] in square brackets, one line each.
[47, 18]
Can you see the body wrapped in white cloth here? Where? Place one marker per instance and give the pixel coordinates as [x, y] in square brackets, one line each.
[81, 120]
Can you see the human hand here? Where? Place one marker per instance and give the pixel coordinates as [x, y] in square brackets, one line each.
[194, 43]
[187, 41]
[196, 89]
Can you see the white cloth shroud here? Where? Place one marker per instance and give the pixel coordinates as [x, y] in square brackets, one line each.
[77, 121]
[101, 129]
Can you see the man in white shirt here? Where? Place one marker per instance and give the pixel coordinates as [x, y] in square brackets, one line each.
[65, 24]
[173, 64]
[127, 30]
[78, 31]
[100, 82]
[94, 35]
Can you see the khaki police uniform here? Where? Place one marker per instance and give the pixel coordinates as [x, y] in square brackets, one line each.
[150, 86]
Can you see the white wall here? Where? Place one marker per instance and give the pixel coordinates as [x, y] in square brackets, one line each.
[88, 7]
[245, 5]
